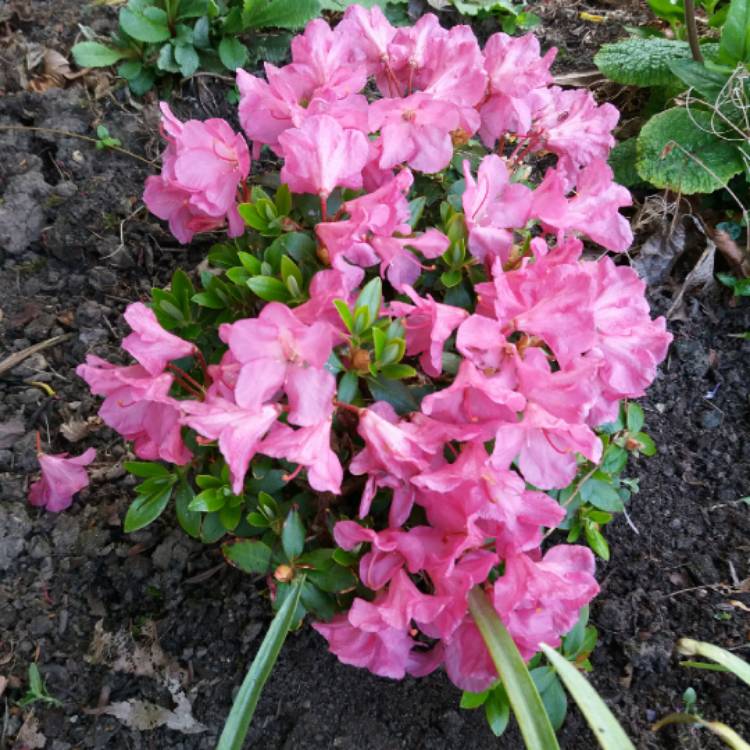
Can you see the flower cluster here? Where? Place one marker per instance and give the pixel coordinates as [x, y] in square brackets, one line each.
[440, 414]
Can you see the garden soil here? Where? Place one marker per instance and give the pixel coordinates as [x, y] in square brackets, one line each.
[116, 620]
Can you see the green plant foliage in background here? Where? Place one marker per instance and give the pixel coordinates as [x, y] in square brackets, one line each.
[701, 143]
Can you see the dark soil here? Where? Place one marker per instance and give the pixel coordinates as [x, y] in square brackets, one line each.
[74, 251]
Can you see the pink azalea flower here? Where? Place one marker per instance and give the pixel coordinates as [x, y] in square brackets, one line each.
[467, 661]
[493, 207]
[371, 33]
[385, 652]
[310, 447]
[515, 69]
[415, 130]
[396, 608]
[541, 601]
[545, 448]
[149, 343]
[477, 400]
[629, 345]
[277, 351]
[61, 478]
[593, 211]
[321, 155]
[480, 339]
[428, 324]
[138, 406]
[239, 431]
[328, 59]
[267, 108]
[549, 300]
[325, 287]
[575, 128]
[202, 167]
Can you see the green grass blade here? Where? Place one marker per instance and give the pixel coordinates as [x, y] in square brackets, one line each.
[524, 698]
[738, 667]
[243, 708]
[726, 734]
[605, 727]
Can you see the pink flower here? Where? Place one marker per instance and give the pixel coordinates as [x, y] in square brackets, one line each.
[629, 345]
[325, 287]
[396, 608]
[203, 165]
[310, 447]
[385, 652]
[541, 601]
[137, 405]
[61, 478]
[371, 33]
[493, 207]
[479, 401]
[328, 58]
[545, 448]
[277, 351]
[467, 661]
[593, 211]
[515, 69]
[238, 430]
[575, 128]
[415, 130]
[149, 343]
[321, 155]
[429, 324]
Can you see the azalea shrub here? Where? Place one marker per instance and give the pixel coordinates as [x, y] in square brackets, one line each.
[401, 372]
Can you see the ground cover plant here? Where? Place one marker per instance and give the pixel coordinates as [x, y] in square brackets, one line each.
[404, 332]
[698, 138]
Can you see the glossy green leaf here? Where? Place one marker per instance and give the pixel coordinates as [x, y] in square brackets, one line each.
[522, 694]
[635, 417]
[187, 58]
[279, 14]
[473, 700]
[189, 520]
[269, 288]
[146, 469]
[735, 35]
[232, 53]
[605, 727]
[370, 298]
[146, 508]
[243, 708]
[601, 495]
[497, 710]
[348, 387]
[249, 555]
[293, 535]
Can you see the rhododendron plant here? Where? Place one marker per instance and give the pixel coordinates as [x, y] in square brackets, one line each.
[405, 372]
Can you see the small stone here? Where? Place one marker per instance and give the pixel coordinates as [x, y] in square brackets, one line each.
[711, 419]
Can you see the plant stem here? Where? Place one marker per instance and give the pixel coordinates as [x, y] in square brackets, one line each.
[576, 491]
[692, 31]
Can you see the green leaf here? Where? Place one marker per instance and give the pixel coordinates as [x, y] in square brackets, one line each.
[189, 520]
[555, 702]
[202, 33]
[142, 83]
[450, 279]
[596, 540]
[96, 55]
[212, 529]
[249, 555]
[344, 313]
[605, 727]
[269, 288]
[130, 69]
[209, 500]
[293, 535]
[601, 495]
[283, 200]
[735, 35]
[317, 602]
[738, 667]
[678, 150]
[370, 298]
[473, 700]
[279, 14]
[192, 8]
[401, 398]
[232, 53]
[147, 25]
[398, 372]
[289, 269]
[646, 445]
[641, 62]
[697, 76]
[146, 469]
[635, 417]
[243, 708]
[187, 59]
[348, 387]
[622, 160]
[334, 579]
[522, 694]
[146, 508]
[497, 711]
[573, 641]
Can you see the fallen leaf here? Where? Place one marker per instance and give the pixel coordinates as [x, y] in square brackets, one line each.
[29, 737]
[122, 653]
[739, 605]
[75, 430]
